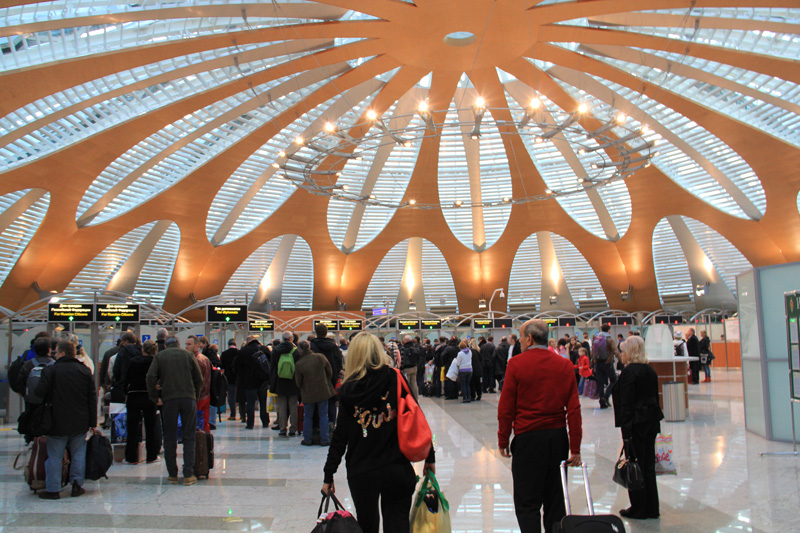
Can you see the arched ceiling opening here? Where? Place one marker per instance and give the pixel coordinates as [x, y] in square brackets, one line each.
[184, 116]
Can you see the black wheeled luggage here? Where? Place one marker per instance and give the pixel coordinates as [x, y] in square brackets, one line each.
[590, 523]
[204, 453]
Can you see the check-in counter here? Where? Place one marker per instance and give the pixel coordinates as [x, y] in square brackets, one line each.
[671, 369]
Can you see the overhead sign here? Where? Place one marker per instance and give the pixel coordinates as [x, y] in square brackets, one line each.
[70, 312]
[261, 325]
[550, 322]
[503, 323]
[332, 325]
[610, 320]
[566, 322]
[408, 324]
[351, 325]
[482, 323]
[624, 320]
[380, 311]
[226, 313]
[116, 313]
[431, 324]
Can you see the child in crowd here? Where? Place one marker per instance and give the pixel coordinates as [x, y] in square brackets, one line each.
[584, 368]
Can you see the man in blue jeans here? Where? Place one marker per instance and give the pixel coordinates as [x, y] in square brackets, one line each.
[69, 387]
[604, 349]
[174, 382]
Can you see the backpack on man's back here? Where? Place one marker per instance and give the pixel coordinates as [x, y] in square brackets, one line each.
[601, 349]
[286, 365]
[33, 381]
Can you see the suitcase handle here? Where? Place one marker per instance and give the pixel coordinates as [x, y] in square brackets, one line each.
[585, 486]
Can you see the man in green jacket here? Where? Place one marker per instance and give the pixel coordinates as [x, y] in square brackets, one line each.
[174, 382]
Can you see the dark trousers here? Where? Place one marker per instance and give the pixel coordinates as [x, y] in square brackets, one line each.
[475, 389]
[465, 378]
[606, 378]
[252, 395]
[394, 486]
[488, 376]
[450, 390]
[694, 366]
[535, 467]
[138, 405]
[232, 400]
[187, 408]
[645, 501]
[437, 385]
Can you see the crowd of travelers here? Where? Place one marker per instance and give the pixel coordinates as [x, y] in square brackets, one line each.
[351, 386]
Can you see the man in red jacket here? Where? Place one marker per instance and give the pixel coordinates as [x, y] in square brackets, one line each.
[539, 401]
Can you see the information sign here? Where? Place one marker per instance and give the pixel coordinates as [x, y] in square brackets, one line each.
[351, 325]
[550, 322]
[610, 320]
[70, 312]
[380, 311]
[408, 324]
[566, 322]
[332, 325]
[116, 313]
[261, 325]
[503, 323]
[482, 323]
[226, 313]
[431, 324]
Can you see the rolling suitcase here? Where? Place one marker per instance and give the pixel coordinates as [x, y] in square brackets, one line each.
[204, 453]
[34, 473]
[590, 523]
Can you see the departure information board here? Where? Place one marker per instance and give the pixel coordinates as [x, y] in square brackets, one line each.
[332, 325]
[502, 323]
[482, 323]
[226, 313]
[408, 324]
[116, 313]
[62, 312]
[351, 325]
[261, 325]
[431, 324]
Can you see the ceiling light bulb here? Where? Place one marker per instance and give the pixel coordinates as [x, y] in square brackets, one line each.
[281, 154]
[275, 165]
[457, 203]
[583, 108]
[371, 196]
[371, 114]
[581, 151]
[298, 140]
[506, 199]
[412, 202]
[580, 180]
[338, 174]
[548, 191]
[359, 157]
[645, 129]
[480, 102]
[329, 127]
[535, 103]
[345, 187]
[594, 166]
[656, 142]
[407, 144]
[621, 118]
[656, 154]
[423, 106]
[538, 140]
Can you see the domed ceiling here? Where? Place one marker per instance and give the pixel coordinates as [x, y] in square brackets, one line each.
[150, 148]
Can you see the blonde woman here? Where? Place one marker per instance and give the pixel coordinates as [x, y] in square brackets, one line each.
[80, 353]
[366, 435]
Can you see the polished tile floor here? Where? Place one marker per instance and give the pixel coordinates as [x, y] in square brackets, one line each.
[263, 483]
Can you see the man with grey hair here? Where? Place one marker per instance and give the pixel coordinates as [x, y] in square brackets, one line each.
[410, 354]
[539, 401]
[161, 337]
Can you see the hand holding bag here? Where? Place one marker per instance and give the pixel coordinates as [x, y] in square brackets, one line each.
[413, 432]
[338, 521]
[431, 510]
[627, 471]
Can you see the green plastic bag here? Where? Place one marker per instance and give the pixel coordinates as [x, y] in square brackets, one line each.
[431, 511]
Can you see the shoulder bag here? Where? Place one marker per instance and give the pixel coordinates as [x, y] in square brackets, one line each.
[627, 471]
[413, 432]
[42, 420]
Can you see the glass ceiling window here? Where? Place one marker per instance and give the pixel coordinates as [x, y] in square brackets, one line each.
[154, 164]
[61, 119]
[384, 171]
[437, 281]
[680, 135]
[561, 166]
[28, 207]
[766, 116]
[672, 270]
[579, 276]
[525, 281]
[384, 286]
[157, 241]
[290, 279]
[62, 43]
[724, 256]
[473, 171]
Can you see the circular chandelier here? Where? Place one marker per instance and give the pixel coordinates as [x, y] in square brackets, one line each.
[609, 153]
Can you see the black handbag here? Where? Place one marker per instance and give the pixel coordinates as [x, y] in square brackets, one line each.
[338, 521]
[627, 471]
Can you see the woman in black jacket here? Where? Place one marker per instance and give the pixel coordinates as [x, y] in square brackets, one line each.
[140, 406]
[637, 414]
[366, 435]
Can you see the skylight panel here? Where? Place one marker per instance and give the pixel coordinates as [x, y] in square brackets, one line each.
[525, 281]
[437, 280]
[384, 287]
[725, 257]
[672, 269]
[251, 271]
[579, 276]
[297, 288]
[30, 207]
[154, 278]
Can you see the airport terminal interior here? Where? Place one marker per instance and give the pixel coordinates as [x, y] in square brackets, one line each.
[438, 168]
